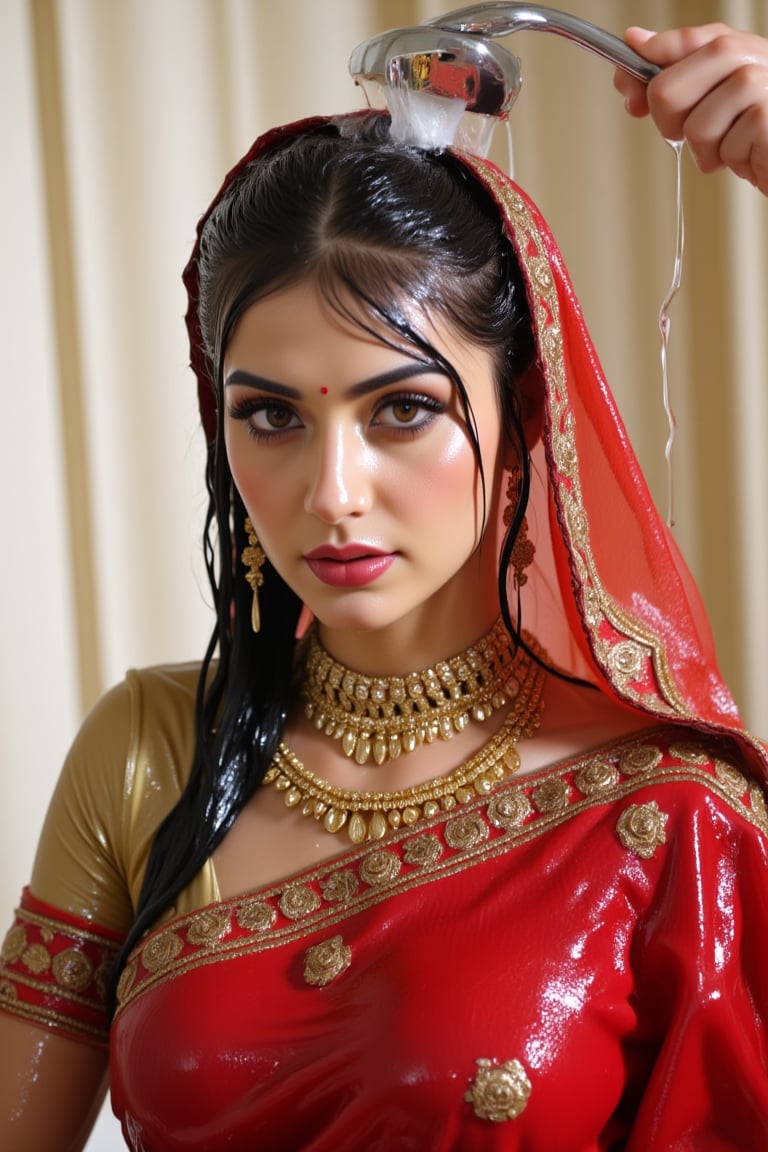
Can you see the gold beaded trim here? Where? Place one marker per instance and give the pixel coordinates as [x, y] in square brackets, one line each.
[384, 716]
[370, 815]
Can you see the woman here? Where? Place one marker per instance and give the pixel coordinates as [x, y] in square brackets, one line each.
[504, 903]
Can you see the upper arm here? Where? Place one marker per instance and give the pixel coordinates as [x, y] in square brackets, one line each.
[79, 865]
[51, 1088]
[53, 1031]
[124, 771]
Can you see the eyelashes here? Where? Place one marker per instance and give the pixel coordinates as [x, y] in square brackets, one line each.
[280, 417]
[402, 413]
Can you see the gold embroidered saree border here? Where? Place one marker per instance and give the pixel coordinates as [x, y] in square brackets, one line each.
[481, 830]
[632, 656]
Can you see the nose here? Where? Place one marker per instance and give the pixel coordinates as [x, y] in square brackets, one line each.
[339, 477]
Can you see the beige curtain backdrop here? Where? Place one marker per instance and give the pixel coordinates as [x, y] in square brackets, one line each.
[119, 118]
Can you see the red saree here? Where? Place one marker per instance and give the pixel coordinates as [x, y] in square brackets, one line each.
[574, 964]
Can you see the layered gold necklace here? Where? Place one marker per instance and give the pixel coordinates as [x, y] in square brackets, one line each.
[485, 678]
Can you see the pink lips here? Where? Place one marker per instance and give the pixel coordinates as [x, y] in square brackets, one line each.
[351, 566]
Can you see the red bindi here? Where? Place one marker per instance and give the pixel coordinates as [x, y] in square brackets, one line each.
[323, 391]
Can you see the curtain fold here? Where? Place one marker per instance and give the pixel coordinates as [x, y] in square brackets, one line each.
[125, 116]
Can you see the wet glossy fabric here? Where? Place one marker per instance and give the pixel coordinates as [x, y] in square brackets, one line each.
[123, 774]
[603, 923]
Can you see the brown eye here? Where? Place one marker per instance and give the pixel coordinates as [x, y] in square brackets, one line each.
[278, 418]
[409, 412]
[404, 411]
[265, 419]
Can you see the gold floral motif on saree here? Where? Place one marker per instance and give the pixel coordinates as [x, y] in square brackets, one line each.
[509, 810]
[691, 751]
[380, 867]
[72, 970]
[596, 777]
[14, 944]
[734, 782]
[640, 758]
[423, 850]
[340, 887]
[499, 1092]
[466, 831]
[209, 928]
[37, 958]
[324, 962]
[551, 795]
[256, 916]
[160, 951]
[641, 829]
[298, 901]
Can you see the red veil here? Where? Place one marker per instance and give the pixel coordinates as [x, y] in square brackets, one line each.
[617, 605]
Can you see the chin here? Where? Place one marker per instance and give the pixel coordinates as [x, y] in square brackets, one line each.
[349, 621]
[355, 613]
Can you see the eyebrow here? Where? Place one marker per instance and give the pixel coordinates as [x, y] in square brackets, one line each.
[372, 384]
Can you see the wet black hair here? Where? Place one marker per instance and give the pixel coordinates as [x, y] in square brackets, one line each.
[380, 228]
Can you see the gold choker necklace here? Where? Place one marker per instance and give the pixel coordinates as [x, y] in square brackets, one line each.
[370, 815]
[383, 716]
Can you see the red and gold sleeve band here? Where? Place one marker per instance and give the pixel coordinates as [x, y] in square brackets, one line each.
[54, 968]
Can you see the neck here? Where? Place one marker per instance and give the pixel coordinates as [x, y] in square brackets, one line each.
[446, 625]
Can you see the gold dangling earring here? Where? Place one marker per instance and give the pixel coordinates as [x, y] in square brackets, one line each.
[523, 550]
[253, 557]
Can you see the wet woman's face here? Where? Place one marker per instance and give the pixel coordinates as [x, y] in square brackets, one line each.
[354, 463]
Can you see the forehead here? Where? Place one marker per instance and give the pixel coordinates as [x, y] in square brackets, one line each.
[300, 324]
[304, 323]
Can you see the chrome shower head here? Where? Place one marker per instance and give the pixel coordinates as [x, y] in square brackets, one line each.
[436, 72]
[431, 77]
